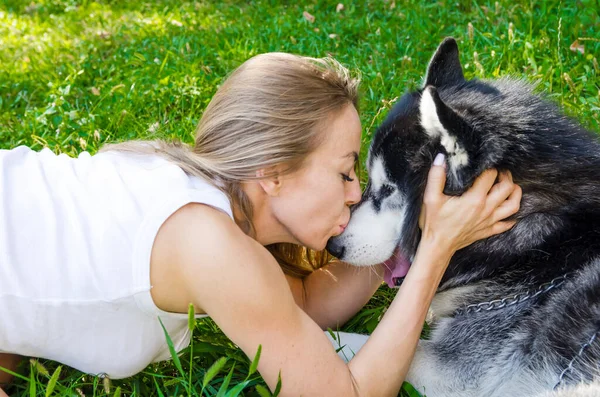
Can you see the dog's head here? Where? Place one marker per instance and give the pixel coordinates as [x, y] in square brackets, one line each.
[477, 125]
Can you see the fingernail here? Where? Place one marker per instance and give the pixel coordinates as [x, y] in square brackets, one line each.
[439, 159]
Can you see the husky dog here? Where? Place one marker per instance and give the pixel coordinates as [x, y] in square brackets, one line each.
[516, 314]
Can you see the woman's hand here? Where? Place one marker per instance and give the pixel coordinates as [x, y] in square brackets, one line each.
[455, 222]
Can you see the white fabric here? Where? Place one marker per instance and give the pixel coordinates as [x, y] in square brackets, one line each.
[75, 241]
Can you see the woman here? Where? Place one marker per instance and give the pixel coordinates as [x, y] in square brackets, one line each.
[96, 249]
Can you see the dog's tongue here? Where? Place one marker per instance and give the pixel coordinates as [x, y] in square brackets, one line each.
[395, 269]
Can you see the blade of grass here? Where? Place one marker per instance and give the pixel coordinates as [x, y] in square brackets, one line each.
[53, 380]
[158, 391]
[213, 371]
[174, 355]
[32, 384]
[225, 385]
[254, 364]
[262, 391]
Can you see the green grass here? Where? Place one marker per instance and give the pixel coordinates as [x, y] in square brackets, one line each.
[76, 74]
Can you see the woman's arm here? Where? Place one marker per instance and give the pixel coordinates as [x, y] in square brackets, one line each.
[8, 361]
[240, 285]
[334, 293]
[400, 328]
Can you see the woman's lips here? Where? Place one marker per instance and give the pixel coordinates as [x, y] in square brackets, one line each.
[340, 230]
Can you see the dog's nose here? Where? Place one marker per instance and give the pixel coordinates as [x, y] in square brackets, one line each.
[335, 249]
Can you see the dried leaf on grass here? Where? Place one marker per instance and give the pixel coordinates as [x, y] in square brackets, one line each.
[310, 18]
[576, 46]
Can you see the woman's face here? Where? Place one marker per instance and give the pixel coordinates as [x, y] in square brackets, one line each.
[313, 203]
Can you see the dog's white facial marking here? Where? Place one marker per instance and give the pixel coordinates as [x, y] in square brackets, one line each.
[371, 236]
[374, 229]
[460, 158]
[377, 174]
[457, 155]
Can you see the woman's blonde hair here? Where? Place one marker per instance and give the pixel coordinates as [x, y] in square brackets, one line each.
[267, 112]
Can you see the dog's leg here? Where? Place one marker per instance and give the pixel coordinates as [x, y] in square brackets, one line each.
[431, 378]
[424, 373]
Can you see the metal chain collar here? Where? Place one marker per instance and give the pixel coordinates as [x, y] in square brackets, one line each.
[522, 297]
[569, 367]
[511, 300]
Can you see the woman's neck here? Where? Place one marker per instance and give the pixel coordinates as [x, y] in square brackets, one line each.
[267, 229]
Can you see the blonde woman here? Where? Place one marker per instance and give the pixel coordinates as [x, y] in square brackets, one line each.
[96, 248]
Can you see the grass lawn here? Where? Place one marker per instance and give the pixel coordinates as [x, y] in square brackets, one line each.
[76, 74]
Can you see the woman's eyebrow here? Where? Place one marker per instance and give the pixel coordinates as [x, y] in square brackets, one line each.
[353, 155]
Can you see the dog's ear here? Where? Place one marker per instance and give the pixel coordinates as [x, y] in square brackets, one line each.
[444, 67]
[455, 137]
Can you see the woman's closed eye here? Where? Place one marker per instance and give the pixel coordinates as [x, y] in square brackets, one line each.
[346, 177]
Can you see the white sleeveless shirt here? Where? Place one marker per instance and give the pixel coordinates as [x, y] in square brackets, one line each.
[75, 241]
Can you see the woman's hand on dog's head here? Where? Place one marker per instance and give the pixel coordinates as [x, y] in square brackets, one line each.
[454, 222]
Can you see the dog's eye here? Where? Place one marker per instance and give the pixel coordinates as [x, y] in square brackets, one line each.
[386, 190]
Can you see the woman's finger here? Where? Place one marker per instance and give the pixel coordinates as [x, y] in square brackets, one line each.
[496, 228]
[509, 174]
[483, 183]
[500, 227]
[436, 180]
[510, 206]
[500, 192]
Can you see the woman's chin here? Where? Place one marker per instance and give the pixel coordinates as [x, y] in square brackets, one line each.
[317, 245]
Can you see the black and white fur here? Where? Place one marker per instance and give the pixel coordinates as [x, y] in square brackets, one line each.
[522, 349]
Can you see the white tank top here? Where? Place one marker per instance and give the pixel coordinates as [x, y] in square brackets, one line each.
[75, 241]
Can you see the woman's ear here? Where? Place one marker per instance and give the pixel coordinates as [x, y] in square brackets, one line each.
[270, 180]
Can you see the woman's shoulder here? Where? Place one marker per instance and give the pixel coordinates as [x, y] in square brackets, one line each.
[201, 248]
[198, 224]
[206, 232]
